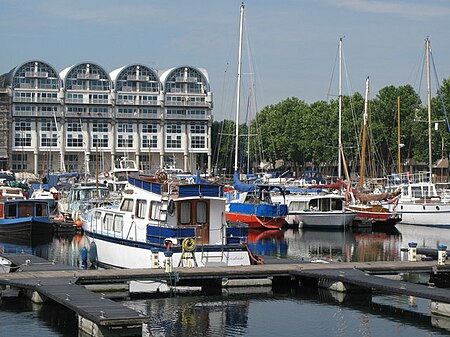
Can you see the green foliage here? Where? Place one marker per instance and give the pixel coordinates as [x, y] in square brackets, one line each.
[306, 135]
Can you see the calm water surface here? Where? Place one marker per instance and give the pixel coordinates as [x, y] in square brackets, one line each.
[264, 313]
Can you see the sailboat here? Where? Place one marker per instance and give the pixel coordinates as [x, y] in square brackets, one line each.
[368, 206]
[254, 205]
[420, 203]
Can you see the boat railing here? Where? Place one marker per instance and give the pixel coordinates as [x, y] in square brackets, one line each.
[408, 178]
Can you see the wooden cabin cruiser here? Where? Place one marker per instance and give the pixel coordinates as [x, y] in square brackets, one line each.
[165, 223]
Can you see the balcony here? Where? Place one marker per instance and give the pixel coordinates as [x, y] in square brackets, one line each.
[140, 78]
[126, 102]
[47, 100]
[99, 101]
[136, 115]
[188, 79]
[85, 76]
[26, 85]
[75, 100]
[36, 74]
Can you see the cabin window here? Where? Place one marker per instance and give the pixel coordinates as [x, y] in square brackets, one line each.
[10, 211]
[127, 205]
[297, 206]
[41, 210]
[416, 192]
[107, 224]
[25, 209]
[141, 205]
[202, 212]
[325, 205]
[336, 204]
[118, 223]
[155, 211]
[185, 213]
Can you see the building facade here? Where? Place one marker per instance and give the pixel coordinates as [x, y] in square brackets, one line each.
[84, 119]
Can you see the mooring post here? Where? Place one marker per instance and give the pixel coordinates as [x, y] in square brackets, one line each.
[412, 251]
[168, 261]
[442, 255]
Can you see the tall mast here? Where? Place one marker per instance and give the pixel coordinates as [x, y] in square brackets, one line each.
[238, 93]
[399, 145]
[430, 159]
[364, 136]
[340, 111]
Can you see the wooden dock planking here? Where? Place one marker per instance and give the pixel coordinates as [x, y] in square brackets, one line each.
[63, 284]
[100, 310]
[361, 279]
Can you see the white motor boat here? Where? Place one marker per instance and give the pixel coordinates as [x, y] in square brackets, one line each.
[317, 210]
[165, 223]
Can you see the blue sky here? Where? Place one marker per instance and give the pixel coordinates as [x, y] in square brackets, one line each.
[293, 43]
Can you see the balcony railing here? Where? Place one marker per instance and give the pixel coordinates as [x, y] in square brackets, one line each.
[22, 99]
[188, 79]
[136, 115]
[138, 78]
[84, 76]
[36, 74]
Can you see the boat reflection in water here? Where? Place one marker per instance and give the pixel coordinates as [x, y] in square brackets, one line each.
[337, 245]
[317, 244]
[267, 242]
[429, 237]
[61, 248]
[193, 316]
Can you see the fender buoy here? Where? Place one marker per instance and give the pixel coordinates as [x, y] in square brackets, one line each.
[106, 174]
[93, 252]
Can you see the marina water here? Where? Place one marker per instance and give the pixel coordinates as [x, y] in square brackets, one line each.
[259, 311]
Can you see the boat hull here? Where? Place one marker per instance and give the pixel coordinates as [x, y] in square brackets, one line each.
[118, 253]
[433, 215]
[255, 222]
[324, 219]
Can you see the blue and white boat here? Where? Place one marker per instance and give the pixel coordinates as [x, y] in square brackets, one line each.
[160, 220]
[255, 207]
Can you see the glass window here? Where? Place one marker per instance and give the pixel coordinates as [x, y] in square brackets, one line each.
[127, 205]
[118, 223]
[155, 211]
[185, 213]
[141, 205]
[107, 224]
[202, 212]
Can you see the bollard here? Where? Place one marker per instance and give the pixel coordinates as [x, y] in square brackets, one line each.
[168, 261]
[412, 251]
[442, 255]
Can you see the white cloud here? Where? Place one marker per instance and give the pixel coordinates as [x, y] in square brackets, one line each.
[406, 8]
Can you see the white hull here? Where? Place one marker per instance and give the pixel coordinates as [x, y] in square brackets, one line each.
[324, 219]
[433, 214]
[121, 256]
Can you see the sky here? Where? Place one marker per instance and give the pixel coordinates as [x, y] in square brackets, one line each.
[290, 46]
